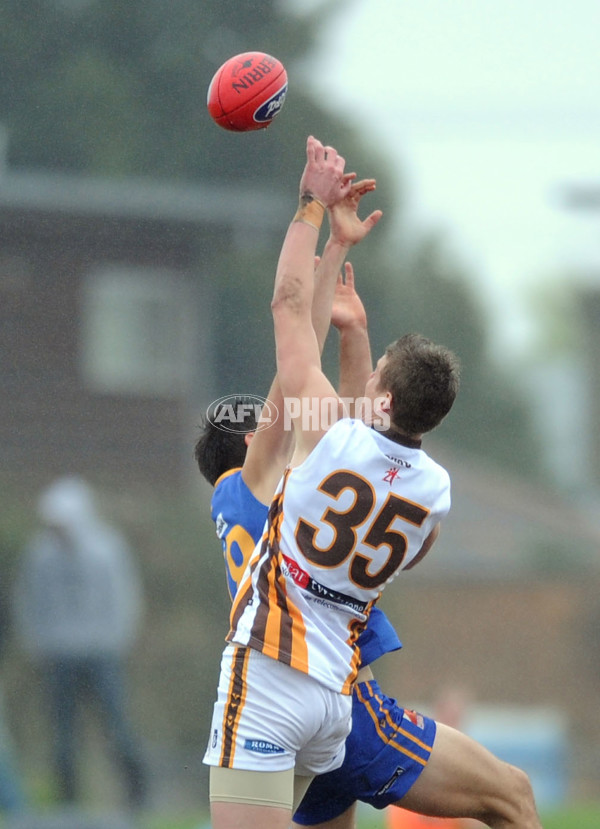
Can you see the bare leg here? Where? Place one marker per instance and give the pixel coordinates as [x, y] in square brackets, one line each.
[347, 820]
[464, 779]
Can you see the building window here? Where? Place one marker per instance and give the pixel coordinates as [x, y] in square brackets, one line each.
[137, 331]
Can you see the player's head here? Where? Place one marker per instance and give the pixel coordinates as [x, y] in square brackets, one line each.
[224, 439]
[420, 379]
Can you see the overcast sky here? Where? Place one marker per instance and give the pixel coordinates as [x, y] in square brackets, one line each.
[489, 108]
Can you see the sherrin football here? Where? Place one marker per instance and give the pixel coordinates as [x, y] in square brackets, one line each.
[247, 92]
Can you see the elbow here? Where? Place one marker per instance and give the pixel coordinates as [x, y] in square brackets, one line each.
[289, 298]
[277, 306]
[281, 316]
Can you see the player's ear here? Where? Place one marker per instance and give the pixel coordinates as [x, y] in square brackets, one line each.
[385, 402]
[248, 437]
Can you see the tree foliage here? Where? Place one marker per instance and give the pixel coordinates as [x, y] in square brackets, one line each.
[118, 88]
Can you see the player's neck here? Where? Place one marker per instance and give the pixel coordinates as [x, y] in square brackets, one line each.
[412, 441]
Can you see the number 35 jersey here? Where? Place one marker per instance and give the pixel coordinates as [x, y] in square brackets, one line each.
[341, 526]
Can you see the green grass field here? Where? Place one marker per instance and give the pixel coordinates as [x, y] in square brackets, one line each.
[578, 817]
[575, 817]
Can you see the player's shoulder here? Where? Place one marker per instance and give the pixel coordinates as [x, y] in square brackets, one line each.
[338, 440]
[231, 492]
[436, 468]
[231, 476]
[228, 487]
[346, 428]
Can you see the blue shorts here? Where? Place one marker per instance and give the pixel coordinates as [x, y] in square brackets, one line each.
[386, 751]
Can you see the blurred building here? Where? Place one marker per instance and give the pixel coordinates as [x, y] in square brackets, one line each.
[507, 606]
[590, 309]
[106, 321]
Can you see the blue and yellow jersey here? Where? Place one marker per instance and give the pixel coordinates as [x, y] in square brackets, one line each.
[240, 522]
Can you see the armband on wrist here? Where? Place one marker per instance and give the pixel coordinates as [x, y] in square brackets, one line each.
[310, 211]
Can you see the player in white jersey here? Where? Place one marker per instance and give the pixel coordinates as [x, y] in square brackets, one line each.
[341, 499]
[283, 700]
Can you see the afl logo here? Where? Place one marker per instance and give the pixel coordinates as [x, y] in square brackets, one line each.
[242, 413]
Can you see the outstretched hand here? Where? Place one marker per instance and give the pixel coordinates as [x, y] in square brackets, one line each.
[324, 177]
[345, 226]
[348, 310]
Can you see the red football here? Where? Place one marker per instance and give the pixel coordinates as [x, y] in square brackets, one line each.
[247, 92]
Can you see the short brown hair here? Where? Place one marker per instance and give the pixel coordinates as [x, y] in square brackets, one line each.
[423, 379]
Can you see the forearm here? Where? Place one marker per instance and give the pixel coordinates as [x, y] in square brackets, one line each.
[295, 340]
[323, 183]
[326, 276]
[294, 281]
[355, 362]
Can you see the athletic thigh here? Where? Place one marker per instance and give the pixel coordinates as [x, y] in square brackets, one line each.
[462, 779]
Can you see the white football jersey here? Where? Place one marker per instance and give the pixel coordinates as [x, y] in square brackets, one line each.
[341, 526]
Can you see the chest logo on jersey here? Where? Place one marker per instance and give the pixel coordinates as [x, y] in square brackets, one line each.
[263, 747]
[320, 591]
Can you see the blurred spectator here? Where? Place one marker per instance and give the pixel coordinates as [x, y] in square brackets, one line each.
[77, 606]
[12, 799]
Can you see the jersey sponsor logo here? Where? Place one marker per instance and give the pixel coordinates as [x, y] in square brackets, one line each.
[388, 785]
[263, 747]
[215, 737]
[320, 591]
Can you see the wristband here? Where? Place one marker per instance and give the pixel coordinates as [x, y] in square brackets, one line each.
[310, 211]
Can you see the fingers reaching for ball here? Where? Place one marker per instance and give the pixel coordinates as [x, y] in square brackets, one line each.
[324, 177]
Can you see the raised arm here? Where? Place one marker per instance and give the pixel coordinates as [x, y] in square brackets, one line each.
[270, 447]
[323, 183]
[269, 450]
[346, 230]
[298, 355]
[349, 317]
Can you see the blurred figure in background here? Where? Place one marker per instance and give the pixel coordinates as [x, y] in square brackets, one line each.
[12, 797]
[78, 602]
